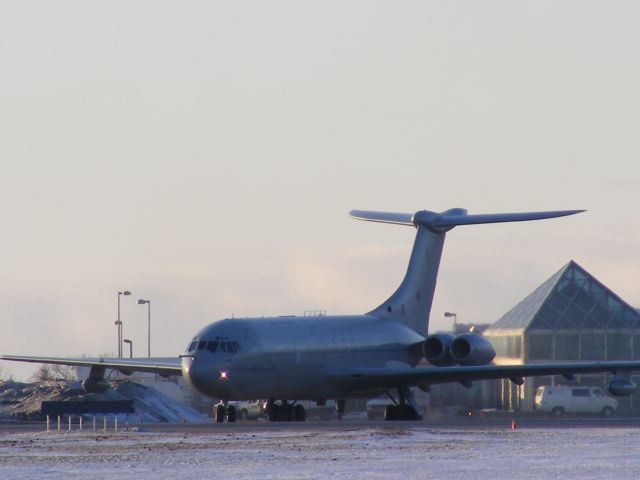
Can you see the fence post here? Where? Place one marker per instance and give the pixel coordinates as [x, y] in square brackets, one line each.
[58, 422]
[48, 423]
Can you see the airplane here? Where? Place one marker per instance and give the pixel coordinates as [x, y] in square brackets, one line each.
[289, 359]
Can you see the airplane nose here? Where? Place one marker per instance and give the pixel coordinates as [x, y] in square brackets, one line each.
[204, 376]
[195, 372]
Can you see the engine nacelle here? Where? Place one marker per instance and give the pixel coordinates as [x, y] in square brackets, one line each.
[471, 349]
[95, 385]
[436, 349]
[622, 388]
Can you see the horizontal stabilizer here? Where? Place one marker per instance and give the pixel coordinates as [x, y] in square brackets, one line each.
[384, 217]
[451, 220]
[444, 221]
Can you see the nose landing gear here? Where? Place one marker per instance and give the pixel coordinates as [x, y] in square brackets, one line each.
[222, 411]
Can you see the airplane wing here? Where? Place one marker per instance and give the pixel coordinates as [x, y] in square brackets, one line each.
[163, 366]
[388, 378]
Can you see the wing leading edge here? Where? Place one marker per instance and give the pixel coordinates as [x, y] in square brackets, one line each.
[388, 378]
[162, 366]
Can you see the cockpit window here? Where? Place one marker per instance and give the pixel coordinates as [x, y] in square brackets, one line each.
[193, 346]
[201, 345]
[219, 346]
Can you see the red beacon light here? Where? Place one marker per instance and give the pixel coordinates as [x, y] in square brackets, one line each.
[224, 375]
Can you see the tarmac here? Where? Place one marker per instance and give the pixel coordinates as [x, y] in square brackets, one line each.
[456, 422]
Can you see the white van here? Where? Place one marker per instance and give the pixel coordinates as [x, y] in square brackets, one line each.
[558, 400]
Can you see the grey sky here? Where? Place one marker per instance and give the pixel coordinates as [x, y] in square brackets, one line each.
[205, 155]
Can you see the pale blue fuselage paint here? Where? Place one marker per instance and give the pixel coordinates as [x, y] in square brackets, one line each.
[291, 356]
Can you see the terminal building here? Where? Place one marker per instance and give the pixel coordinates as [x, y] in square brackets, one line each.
[570, 317]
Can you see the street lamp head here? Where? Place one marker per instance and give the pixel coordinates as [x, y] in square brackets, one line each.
[130, 342]
[126, 292]
[449, 314]
[143, 302]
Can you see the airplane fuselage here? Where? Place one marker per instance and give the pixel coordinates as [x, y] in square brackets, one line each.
[291, 357]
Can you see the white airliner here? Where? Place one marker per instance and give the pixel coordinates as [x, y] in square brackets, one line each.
[289, 359]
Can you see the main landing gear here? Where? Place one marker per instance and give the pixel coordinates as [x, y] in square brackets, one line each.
[406, 408]
[283, 411]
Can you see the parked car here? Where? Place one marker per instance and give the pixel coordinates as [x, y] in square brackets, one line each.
[558, 400]
[250, 409]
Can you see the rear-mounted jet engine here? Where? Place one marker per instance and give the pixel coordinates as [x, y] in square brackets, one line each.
[468, 349]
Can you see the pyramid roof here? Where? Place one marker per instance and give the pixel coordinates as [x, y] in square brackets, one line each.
[571, 298]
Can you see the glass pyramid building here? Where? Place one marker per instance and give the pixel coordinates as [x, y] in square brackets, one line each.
[583, 318]
[571, 316]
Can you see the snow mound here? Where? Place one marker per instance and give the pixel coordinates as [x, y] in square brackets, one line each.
[22, 400]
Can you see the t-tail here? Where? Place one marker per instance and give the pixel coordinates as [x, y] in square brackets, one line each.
[411, 303]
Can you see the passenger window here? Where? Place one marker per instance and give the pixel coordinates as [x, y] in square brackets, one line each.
[580, 392]
[212, 346]
[193, 346]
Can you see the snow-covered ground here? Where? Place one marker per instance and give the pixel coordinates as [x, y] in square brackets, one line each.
[396, 453]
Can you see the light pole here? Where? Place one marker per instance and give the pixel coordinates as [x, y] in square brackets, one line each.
[130, 342]
[455, 319]
[119, 323]
[148, 303]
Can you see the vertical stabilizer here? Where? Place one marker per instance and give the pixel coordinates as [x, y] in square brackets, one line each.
[411, 303]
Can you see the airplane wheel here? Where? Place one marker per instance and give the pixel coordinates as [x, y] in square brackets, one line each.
[244, 415]
[231, 414]
[606, 412]
[219, 414]
[340, 408]
[299, 415]
[273, 412]
[408, 413]
[391, 413]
